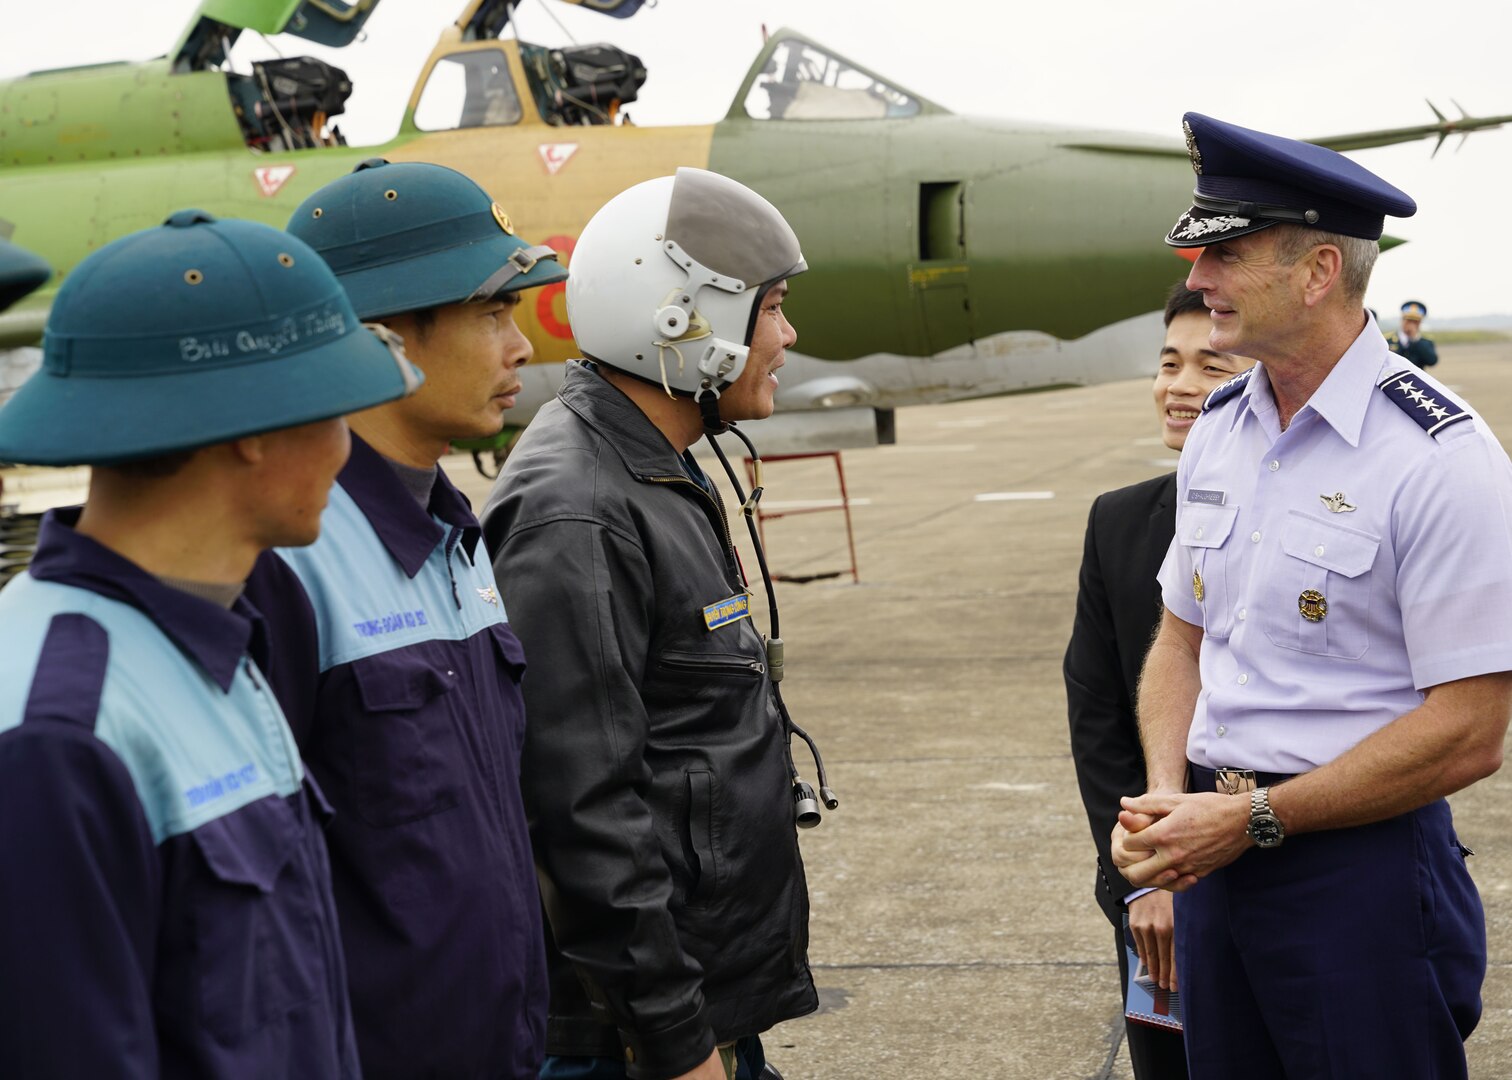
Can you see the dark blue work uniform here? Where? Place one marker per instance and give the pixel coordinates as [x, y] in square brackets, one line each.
[1421, 351]
[165, 900]
[400, 676]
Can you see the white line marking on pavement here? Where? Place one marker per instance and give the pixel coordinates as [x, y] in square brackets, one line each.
[1013, 496]
[999, 786]
[938, 448]
[810, 504]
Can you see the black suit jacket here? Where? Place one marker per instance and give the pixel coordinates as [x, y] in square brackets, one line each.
[1118, 608]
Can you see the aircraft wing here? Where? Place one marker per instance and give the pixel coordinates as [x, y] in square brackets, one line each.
[1355, 140]
[1445, 127]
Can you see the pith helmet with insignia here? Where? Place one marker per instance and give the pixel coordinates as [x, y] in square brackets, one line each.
[408, 235]
[20, 273]
[1414, 309]
[1248, 181]
[196, 332]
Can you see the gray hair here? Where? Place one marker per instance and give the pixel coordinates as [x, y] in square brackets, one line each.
[1359, 254]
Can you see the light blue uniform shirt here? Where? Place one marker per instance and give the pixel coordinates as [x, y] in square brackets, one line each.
[1416, 578]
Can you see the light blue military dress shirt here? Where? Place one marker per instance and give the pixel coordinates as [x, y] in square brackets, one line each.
[1341, 567]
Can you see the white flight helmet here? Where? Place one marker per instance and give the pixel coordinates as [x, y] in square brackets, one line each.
[666, 279]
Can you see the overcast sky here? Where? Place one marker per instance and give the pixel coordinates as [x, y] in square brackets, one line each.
[1304, 69]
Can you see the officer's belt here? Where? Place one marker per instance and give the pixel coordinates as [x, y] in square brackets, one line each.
[1236, 782]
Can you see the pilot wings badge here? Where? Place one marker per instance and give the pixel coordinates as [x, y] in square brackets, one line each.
[1336, 503]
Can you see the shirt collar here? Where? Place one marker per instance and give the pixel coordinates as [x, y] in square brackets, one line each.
[1346, 392]
[409, 531]
[1256, 397]
[209, 635]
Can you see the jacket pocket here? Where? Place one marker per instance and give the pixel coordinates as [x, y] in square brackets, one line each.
[704, 866]
[255, 942]
[1322, 559]
[405, 741]
[1204, 532]
[691, 666]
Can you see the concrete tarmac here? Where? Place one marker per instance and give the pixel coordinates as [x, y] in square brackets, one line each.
[954, 931]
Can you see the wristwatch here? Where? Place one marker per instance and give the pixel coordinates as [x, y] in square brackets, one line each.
[1265, 829]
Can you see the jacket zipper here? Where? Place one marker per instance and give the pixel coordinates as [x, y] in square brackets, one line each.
[727, 667]
[729, 544]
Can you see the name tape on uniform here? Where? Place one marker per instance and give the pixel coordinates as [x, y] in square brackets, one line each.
[723, 612]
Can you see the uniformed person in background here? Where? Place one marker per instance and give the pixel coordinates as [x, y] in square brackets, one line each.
[1117, 611]
[394, 657]
[1409, 341]
[656, 762]
[1336, 652]
[166, 905]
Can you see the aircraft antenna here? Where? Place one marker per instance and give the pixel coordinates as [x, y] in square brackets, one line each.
[558, 21]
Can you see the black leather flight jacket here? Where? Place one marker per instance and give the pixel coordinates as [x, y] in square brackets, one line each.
[655, 769]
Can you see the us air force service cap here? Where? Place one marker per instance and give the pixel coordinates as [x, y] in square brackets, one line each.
[196, 332]
[1248, 181]
[410, 235]
[20, 273]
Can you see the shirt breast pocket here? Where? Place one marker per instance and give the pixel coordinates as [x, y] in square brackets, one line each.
[254, 920]
[1320, 601]
[405, 750]
[1204, 532]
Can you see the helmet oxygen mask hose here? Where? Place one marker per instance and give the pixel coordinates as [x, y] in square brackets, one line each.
[805, 805]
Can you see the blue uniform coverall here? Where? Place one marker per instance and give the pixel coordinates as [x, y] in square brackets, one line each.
[400, 676]
[165, 905]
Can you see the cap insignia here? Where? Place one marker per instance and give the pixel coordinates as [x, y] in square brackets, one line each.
[1189, 228]
[1192, 151]
[503, 219]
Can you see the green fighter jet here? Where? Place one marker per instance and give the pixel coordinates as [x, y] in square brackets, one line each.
[950, 256]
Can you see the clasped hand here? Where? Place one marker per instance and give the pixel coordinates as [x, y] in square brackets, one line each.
[1169, 841]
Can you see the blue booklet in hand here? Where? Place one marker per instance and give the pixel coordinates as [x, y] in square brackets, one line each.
[1145, 1002]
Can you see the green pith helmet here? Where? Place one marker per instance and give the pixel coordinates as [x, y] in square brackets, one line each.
[195, 332]
[410, 235]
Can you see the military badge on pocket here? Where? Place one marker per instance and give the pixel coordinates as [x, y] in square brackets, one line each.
[1312, 605]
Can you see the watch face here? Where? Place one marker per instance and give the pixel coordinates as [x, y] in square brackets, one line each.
[1265, 830]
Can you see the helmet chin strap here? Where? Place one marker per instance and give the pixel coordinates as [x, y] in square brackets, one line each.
[708, 408]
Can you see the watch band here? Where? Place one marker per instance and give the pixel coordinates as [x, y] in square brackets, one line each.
[1265, 829]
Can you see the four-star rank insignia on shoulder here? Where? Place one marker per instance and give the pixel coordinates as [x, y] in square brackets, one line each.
[1428, 408]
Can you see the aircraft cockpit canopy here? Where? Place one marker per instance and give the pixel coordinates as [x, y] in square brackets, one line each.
[801, 81]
